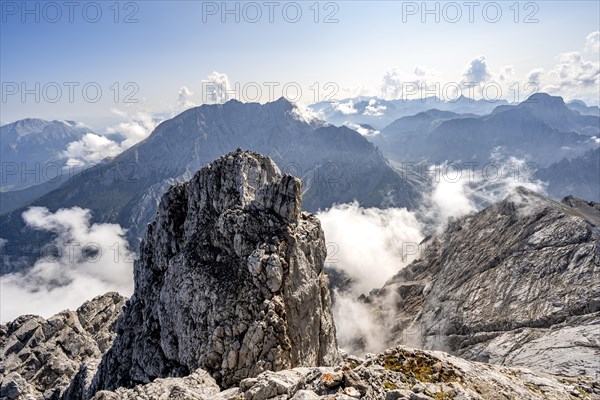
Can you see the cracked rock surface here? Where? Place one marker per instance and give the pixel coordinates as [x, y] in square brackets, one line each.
[196, 386]
[406, 373]
[39, 357]
[515, 284]
[397, 373]
[230, 279]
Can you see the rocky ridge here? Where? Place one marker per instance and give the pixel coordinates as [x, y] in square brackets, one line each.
[40, 357]
[397, 373]
[512, 285]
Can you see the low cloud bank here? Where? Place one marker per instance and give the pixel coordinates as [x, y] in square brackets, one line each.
[368, 245]
[83, 261]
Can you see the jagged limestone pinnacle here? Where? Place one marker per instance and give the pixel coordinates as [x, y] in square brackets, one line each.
[229, 279]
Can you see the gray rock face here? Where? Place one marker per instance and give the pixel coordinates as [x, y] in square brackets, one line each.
[513, 284]
[196, 386]
[405, 373]
[230, 292]
[230, 279]
[39, 357]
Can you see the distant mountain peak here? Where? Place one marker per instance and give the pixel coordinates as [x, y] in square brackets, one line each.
[37, 124]
[282, 100]
[523, 191]
[578, 102]
[524, 197]
[26, 123]
[281, 104]
[464, 99]
[67, 122]
[545, 99]
[27, 126]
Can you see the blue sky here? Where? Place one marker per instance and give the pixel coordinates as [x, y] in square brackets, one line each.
[177, 44]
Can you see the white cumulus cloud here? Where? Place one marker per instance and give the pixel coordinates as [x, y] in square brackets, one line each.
[535, 76]
[574, 71]
[575, 75]
[592, 42]
[184, 98]
[506, 73]
[365, 131]
[397, 83]
[216, 88]
[346, 108]
[374, 108]
[91, 148]
[476, 72]
[137, 128]
[372, 242]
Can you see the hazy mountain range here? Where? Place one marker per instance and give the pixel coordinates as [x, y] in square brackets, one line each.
[31, 150]
[380, 112]
[579, 176]
[508, 285]
[338, 165]
[541, 129]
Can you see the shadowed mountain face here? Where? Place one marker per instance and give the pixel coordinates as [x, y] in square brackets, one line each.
[337, 165]
[578, 176]
[29, 146]
[541, 129]
[583, 109]
[14, 199]
[553, 111]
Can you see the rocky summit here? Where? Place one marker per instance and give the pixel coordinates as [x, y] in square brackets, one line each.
[515, 284]
[229, 279]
